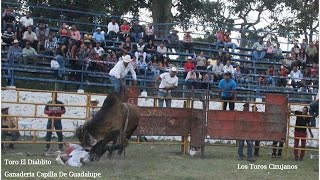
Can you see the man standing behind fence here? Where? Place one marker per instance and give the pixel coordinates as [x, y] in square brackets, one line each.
[54, 111]
[169, 81]
[227, 85]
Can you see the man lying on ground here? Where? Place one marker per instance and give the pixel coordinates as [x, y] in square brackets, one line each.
[74, 155]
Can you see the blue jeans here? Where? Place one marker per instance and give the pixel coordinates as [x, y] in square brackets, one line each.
[116, 84]
[218, 43]
[258, 55]
[249, 148]
[271, 81]
[230, 45]
[61, 62]
[314, 112]
[164, 96]
[57, 125]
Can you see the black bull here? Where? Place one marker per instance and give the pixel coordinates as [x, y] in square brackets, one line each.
[115, 121]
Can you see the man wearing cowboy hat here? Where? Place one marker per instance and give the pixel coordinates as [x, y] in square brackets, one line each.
[9, 122]
[15, 51]
[94, 103]
[173, 40]
[169, 81]
[119, 72]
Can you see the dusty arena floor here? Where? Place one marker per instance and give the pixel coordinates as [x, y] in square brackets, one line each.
[164, 162]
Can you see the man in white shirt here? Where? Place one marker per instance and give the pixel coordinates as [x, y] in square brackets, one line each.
[26, 21]
[30, 36]
[169, 81]
[228, 68]
[296, 77]
[119, 71]
[113, 29]
[74, 156]
[98, 49]
[217, 71]
[192, 79]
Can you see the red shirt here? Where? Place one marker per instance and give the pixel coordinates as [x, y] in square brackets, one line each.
[125, 28]
[188, 66]
[314, 72]
[283, 72]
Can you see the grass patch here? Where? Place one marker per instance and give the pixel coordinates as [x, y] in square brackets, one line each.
[164, 162]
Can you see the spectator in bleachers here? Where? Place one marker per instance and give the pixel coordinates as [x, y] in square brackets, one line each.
[88, 38]
[98, 37]
[26, 21]
[245, 74]
[270, 79]
[151, 50]
[262, 79]
[283, 74]
[164, 63]
[188, 42]
[124, 31]
[314, 71]
[221, 57]
[270, 50]
[206, 82]
[60, 54]
[126, 47]
[54, 64]
[173, 41]
[303, 44]
[296, 77]
[226, 57]
[134, 64]
[141, 50]
[19, 35]
[237, 74]
[64, 33]
[278, 53]
[149, 31]
[113, 29]
[75, 38]
[98, 49]
[50, 46]
[29, 53]
[169, 81]
[312, 53]
[217, 71]
[295, 49]
[154, 67]
[8, 36]
[42, 32]
[228, 68]
[192, 79]
[31, 37]
[141, 65]
[161, 50]
[227, 42]
[8, 20]
[188, 66]
[227, 86]
[201, 62]
[14, 52]
[220, 38]
[211, 62]
[136, 31]
[259, 50]
[301, 59]
[287, 61]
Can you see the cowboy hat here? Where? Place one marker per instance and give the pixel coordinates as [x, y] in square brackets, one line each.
[98, 28]
[127, 58]
[173, 69]
[94, 100]
[59, 160]
[15, 41]
[189, 57]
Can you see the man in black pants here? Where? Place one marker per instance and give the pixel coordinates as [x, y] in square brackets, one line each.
[227, 86]
[256, 143]
[54, 110]
[274, 150]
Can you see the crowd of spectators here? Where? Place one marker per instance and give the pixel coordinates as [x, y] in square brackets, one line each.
[93, 51]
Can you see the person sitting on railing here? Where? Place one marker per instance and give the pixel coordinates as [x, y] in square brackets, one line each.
[31, 37]
[296, 77]
[126, 47]
[192, 79]
[8, 36]
[173, 41]
[220, 38]
[42, 32]
[26, 21]
[169, 81]
[64, 33]
[217, 71]
[8, 20]
[283, 74]
[188, 66]
[149, 31]
[312, 53]
[136, 31]
[270, 50]
[162, 51]
[151, 50]
[124, 31]
[188, 42]
[14, 52]
[227, 86]
[201, 62]
[113, 29]
[29, 53]
[300, 132]
[228, 68]
[227, 42]
[270, 79]
[98, 37]
[259, 50]
[50, 46]
[8, 122]
[141, 50]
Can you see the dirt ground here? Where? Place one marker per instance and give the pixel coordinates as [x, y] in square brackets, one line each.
[149, 161]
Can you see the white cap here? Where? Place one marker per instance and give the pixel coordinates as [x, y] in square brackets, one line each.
[189, 57]
[98, 28]
[126, 58]
[173, 69]
[94, 100]
[15, 41]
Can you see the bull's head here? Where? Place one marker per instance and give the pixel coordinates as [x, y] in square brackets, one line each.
[87, 140]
